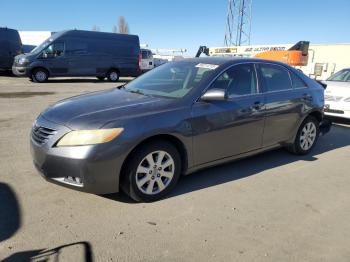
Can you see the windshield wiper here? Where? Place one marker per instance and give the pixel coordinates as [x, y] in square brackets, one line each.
[137, 91]
[121, 86]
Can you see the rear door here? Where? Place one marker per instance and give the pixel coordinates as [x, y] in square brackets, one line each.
[234, 126]
[284, 104]
[146, 60]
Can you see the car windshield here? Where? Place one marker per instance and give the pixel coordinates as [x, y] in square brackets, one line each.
[42, 46]
[341, 76]
[171, 80]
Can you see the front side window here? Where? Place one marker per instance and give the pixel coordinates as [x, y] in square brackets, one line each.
[341, 76]
[276, 78]
[54, 50]
[237, 81]
[172, 80]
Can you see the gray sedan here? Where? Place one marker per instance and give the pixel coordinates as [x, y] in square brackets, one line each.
[176, 119]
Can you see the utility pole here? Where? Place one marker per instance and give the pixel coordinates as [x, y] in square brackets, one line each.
[238, 22]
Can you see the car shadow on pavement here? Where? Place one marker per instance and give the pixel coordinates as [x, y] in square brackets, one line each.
[10, 216]
[53, 254]
[338, 137]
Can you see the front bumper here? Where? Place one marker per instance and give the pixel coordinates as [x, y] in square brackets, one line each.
[20, 70]
[337, 109]
[93, 169]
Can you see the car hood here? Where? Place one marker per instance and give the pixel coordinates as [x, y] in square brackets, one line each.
[94, 110]
[337, 88]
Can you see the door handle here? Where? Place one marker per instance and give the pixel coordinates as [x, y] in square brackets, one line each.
[257, 105]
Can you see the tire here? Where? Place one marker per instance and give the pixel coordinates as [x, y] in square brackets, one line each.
[113, 75]
[146, 181]
[39, 75]
[101, 78]
[306, 137]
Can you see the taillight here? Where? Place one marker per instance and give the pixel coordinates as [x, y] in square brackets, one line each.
[139, 60]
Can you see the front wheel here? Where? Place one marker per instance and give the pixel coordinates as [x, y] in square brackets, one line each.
[113, 75]
[152, 172]
[40, 75]
[306, 137]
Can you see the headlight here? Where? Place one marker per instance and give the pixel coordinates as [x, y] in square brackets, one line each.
[89, 137]
[22, 60]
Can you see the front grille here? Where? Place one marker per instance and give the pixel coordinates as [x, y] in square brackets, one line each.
[332, 98]
[42, 134]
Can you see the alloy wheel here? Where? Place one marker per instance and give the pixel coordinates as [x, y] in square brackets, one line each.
[155, 172]
[308, 136]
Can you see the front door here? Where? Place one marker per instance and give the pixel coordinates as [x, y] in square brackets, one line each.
[233, 126]
[55, 59]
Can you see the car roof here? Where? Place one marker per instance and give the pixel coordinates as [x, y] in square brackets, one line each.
[219, 60]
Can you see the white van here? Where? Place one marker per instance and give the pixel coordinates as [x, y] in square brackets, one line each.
[146, 61]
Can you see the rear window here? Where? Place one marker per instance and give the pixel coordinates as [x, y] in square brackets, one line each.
[297, 81]
[276, 78]
[146, 54]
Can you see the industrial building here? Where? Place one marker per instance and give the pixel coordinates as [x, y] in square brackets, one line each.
[324, 59]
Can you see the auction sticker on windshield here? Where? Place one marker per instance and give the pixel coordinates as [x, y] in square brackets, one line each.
[207, 66]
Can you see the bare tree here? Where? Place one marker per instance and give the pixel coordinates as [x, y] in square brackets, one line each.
[123, 25]
[114, 29]
[96, 28]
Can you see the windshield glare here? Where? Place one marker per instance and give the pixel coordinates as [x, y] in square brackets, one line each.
[42, 46]
[341, 76]
[171, 80]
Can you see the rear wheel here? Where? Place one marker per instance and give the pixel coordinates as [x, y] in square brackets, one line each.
[113, 75]
[306, 137]
[152, 171]
[39, 75]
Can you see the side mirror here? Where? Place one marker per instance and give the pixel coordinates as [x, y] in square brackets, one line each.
[214, 94]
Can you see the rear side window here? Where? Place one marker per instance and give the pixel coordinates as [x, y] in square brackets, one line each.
[297, 81]
[276, 78]
[238, 80]
[76, 47]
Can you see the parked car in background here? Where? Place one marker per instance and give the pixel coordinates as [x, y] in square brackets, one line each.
[337, 94]
[146, 61]
[178, 118]
[27, 48]
[10, 46]
[81, 53]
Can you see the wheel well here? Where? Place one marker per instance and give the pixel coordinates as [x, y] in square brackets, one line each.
[113, 68]
[169, 138]
[318, 115]
[39, 67]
